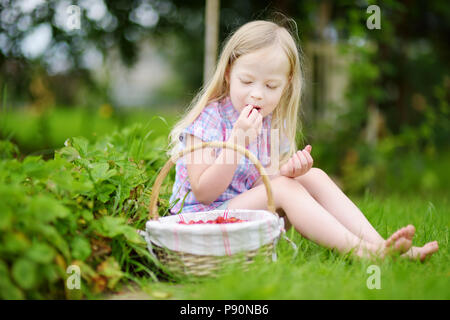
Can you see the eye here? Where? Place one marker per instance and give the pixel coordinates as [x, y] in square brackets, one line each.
[271, 87]
[245, 82]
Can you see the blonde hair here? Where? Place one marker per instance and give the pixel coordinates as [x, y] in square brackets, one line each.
[248, 38]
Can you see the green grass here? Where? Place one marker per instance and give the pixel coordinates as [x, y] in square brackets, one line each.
[318, 273]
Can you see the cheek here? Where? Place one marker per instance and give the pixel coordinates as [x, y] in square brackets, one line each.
[275, 97]
[237, 91]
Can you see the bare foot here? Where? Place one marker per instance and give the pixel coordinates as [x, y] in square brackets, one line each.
[422, 253]
[400, 241]
[405, 232]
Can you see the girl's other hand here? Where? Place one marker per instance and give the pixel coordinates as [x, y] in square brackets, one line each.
[248, 125]
[298, 164]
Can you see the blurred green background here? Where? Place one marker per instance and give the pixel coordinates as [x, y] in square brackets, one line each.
[375, 106]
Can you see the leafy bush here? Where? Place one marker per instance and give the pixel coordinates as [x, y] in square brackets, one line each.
[81, 208]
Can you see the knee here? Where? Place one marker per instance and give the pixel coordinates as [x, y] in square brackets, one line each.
[284, 185]
[317, 172]
[285, 189]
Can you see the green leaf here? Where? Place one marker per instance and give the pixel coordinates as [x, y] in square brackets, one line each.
[35, 167]
[54, 238]
[81, 186]
[109, 226]
[8, 291]
[47, 209]
[81, 145]
[41, 253]
[87, 215]
[81, 248]
[24, 272]
[69, 153]
[50, 272]
[104, 191]
[15, 242]
[8, 149]
[100, 172]
[111, 270]
[131, 235]
[6, 217]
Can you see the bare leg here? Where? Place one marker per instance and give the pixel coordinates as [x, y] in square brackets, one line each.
[314, 222]
[330, 196]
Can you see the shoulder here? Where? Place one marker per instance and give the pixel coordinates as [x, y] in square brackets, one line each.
[211, 111]
[208, 124]
[210, 117]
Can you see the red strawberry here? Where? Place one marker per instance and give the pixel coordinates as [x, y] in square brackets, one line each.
[220, 219]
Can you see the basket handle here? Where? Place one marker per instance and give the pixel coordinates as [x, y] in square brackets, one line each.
[153, 212]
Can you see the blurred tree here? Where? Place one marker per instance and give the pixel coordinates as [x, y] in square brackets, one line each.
[409, 59]
[38, 33]
[211, 38]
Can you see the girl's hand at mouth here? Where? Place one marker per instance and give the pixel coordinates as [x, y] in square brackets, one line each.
[257, 108]
[298, 164]
[248, 126]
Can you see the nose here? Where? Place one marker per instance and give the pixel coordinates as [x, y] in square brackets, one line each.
[256, 94]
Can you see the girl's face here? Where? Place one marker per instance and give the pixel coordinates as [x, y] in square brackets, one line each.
[259, 78]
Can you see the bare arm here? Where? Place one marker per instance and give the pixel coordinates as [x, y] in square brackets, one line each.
[210, 176]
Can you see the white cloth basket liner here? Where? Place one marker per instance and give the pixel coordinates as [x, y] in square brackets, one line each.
[261, 228]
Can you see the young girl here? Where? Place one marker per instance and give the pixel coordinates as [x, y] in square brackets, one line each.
[253, 95]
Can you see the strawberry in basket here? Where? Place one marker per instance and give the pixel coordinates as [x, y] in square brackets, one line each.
[218, 220]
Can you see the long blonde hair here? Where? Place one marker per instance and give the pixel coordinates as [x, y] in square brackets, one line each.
[248, 38]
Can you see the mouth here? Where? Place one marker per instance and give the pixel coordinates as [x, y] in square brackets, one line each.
[258, 108]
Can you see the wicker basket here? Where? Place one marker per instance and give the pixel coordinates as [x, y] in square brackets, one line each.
[181, 263]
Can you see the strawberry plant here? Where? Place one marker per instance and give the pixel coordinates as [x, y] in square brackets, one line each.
[81, 208]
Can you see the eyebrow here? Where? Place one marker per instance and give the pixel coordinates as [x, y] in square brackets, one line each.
[247, 74]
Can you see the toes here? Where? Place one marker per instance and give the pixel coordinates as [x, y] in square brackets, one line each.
[402, 245]
[405, 232]
[432, 245]
[429, 249]
[410, 231]
[395, 236]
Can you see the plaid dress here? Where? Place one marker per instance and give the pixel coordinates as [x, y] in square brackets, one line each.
[215, 123]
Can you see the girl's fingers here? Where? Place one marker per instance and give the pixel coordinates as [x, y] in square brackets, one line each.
[303, 161]
[287, 169]
[252, 115]
[247, 110]
[258, 123]
[297, 165]
[309, 159]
